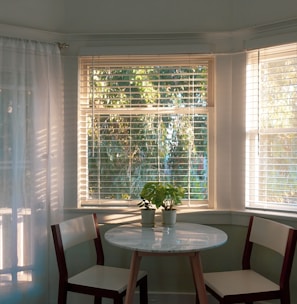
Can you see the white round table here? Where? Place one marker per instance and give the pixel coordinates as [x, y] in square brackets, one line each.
[185, 239]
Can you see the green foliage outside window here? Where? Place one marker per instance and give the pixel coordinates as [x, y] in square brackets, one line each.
[143, 125]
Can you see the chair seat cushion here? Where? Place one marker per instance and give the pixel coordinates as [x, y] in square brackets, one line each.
[238, 282]
[104, 277]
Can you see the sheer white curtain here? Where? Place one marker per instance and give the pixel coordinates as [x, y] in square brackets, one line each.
[31, 174]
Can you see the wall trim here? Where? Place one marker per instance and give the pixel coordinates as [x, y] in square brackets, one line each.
[237, 40]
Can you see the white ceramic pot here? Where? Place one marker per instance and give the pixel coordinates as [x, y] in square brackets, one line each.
[148, 217]
[169, 217]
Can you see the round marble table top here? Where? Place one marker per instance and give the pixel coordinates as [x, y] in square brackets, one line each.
[183, 237]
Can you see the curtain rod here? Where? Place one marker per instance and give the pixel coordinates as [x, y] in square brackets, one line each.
[62, 45]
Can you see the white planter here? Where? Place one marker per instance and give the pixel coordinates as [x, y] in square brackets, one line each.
[148, 217]
[169, 217]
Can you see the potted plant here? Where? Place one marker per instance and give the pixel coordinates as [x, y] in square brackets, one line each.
[147, 213]
[165, 195]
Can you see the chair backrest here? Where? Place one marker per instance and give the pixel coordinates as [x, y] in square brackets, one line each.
[78, 230]
[73, 232]
[275, 236]
[270, 234]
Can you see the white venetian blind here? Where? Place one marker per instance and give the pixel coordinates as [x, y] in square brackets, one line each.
[271, 124]
[143, 118]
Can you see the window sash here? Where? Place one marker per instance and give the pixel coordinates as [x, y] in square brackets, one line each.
[271, 154]
[98, 105]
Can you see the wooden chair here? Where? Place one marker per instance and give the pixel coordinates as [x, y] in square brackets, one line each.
[247, 285]
[98, 280]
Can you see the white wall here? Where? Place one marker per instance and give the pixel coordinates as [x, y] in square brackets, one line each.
[37, 14]
[261, 12]
[155, 16]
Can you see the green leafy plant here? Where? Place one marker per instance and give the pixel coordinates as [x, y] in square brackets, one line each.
[164, 195]
[145, 204]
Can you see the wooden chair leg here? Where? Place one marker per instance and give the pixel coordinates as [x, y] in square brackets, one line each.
[62, 297]
[98, 300]
[143, 297]
[118, 300]
[285, 298]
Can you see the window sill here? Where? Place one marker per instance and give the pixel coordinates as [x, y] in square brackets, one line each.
[122, 215]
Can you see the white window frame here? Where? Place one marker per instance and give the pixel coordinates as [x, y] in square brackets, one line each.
[253, 191]
[165, 59]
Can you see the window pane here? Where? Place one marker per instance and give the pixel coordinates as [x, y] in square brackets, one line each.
[134, 149]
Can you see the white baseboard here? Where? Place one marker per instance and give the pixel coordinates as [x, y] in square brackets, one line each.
[177, 298]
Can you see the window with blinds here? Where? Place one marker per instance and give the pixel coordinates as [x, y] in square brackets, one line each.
[271, 126]
[144, 118]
